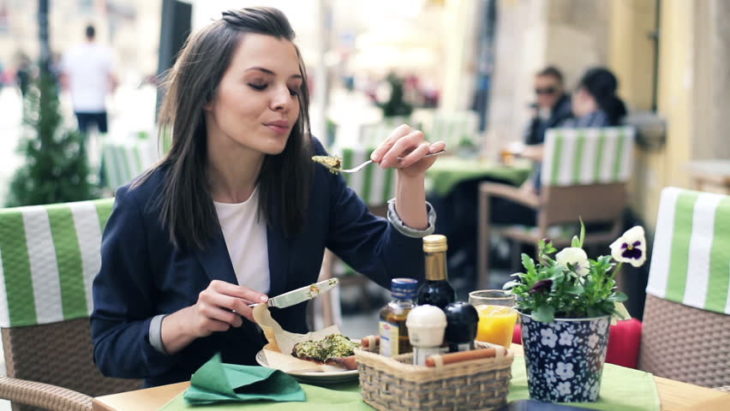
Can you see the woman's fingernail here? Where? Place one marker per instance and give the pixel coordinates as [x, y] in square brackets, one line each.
[374, 157]
[264, 298]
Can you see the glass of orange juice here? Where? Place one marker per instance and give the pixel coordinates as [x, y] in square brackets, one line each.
[497, 316]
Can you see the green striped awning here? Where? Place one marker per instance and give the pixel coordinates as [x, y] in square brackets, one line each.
[49, 256]
[690, 261]
[374, 185]
[583, 156]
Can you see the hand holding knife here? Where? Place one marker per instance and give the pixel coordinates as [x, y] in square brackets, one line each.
[301, 294]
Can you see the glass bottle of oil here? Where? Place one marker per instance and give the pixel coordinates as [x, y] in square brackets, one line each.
[436, 290]
[392, 326]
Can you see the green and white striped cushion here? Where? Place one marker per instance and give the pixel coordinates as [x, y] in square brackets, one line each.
[123, 161]
[587, 156]
[374, 185]
[48, 258]
[690, 261]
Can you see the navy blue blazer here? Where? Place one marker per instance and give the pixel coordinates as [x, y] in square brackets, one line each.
[142, 275]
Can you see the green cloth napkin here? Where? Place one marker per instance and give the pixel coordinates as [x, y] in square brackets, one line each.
[216, 382]
[335, 398]
[621, 388]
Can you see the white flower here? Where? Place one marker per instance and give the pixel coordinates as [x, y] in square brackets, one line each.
[575, 257]
[564, 388]
[564, 371]
[630, 247]
[566, 338]
[548, 338]
[549, 375]
[593, 340]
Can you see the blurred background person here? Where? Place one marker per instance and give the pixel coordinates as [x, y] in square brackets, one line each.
[87, 72]
[552, 106]
[23, 73]
[595, 103]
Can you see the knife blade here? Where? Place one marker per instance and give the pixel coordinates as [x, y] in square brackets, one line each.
[302, 294]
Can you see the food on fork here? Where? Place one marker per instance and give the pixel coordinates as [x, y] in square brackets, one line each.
[333, 163]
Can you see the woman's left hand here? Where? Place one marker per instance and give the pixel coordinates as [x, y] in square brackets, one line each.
[405, 149]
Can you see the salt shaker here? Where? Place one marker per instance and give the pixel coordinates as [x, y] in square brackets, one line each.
[426, 325]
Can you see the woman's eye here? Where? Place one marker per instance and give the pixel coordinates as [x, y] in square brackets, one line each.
[257, 86]
[294, 91]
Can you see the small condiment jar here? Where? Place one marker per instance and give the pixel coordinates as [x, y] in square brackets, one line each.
[461, 329]
[426, 325]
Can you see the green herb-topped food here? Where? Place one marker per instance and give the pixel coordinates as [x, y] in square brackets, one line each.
[333, 164]
[330, 347]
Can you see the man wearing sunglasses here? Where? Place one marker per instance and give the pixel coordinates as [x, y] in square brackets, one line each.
[552, 106]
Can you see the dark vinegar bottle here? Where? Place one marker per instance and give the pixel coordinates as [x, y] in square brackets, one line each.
[436, 289]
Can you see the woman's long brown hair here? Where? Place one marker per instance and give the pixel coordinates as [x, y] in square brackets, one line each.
[186, 206]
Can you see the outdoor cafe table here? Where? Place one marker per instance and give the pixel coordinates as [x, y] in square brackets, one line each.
[449, 171]
[673, 395]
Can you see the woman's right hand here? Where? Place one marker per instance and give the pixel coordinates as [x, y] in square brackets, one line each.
[219, 307]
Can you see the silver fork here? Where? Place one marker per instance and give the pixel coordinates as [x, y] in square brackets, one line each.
[363, 165]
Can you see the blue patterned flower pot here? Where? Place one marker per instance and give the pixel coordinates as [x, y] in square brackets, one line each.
[564, 358]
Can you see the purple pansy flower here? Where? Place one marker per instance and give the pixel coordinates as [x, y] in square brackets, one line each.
[542, 285]
[630, 247]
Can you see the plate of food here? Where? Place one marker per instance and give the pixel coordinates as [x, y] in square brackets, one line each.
[321, 357]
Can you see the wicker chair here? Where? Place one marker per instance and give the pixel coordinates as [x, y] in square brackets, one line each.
[584, 175]
[686, 331]
[49, 255]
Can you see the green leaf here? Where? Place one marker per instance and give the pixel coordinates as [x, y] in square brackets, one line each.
[544, 313]
[528, 263]
[620, 312]
[510, 284]
[575, 289]
[575, 242]
[582, 232]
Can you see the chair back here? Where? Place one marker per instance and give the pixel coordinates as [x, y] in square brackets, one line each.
[584, 174]
[585, 156]
[374, 185]
[687, 313]
[122, 161]
[48, 258]
[454, 128]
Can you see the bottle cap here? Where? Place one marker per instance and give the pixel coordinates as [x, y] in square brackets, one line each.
[434, 243]
[403, 288]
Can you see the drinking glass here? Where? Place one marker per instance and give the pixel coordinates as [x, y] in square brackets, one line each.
[497, 316]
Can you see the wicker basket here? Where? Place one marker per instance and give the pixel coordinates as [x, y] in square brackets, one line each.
[396, 384]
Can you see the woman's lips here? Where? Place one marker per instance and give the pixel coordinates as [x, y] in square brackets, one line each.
[278, 126]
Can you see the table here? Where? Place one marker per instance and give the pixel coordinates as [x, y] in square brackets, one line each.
[448, 171]
[710, 175]
[674, 395]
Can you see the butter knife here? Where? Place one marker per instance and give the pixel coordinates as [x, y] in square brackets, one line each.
[302, 294]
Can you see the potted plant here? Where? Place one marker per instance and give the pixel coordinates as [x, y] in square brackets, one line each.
[567, 302]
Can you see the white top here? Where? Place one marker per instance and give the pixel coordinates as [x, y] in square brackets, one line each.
[88, 67]
[245, 236]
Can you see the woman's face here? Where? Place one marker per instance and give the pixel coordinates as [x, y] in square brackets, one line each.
[582, 102]
[256, 105]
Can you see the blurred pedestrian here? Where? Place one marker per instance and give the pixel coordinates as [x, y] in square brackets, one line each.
[87, 72]
[23, 73]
